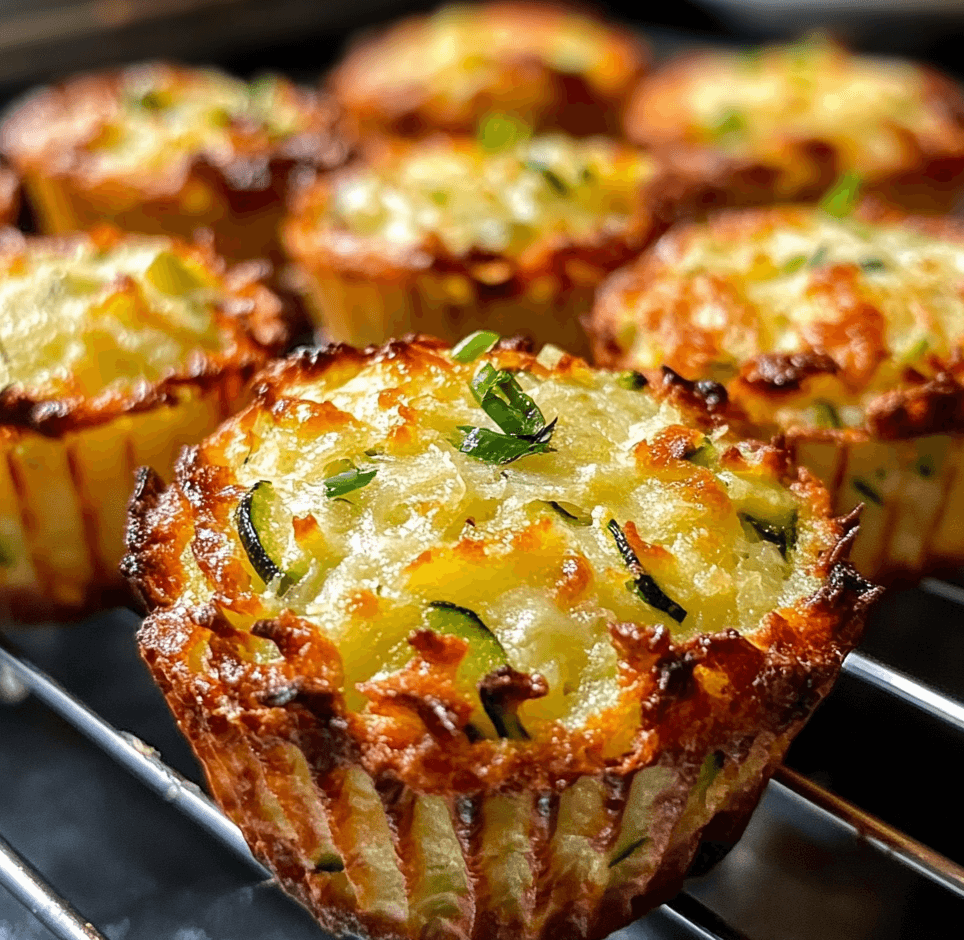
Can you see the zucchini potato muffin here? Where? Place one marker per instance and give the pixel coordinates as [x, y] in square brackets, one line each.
[163, 149]
[483, 644]
[551, 66]
[115, 350]
[781, 123]
[842, 332]
[449, 235]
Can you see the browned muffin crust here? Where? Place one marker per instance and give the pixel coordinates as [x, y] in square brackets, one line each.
[552, 65]
[366, 287]
[68, 453]
[753, 150]
[725, 700]
[9, 195]
[63, 140]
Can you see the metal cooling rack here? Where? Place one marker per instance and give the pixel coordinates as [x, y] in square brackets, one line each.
[722, 905]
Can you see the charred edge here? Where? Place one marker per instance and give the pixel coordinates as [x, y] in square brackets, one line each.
[502, 692]
[712, 395]
[846, 589]
[778, 373]
[148, 489]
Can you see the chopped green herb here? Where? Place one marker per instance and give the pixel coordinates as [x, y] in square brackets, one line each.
[926, 466]
[632, 381]
[794, 264]
[474, 345]
[731, 124]
[349, 480]
[493, 447]
[819, 257]
[586, 176]
[783, 536]
[572, 514]
[149, 101]
[549, 175]
[841, 199]
[643, 584]
[826, 414]
[499, 131]
[439, 197]
[624, 853]
[702, 455]
[918, 350]
[867, 491]
[873, 265]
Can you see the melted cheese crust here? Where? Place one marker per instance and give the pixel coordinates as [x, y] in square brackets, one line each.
[472, 198]
[878, 297]
[435, 524]
[761, 103]
[85, 317]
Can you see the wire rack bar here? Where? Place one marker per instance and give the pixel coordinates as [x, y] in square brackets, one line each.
[889, 840]
[28, 886]
[130, 752]
[909, 690]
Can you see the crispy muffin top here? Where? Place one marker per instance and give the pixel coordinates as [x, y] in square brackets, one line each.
[495, 195]
[481, 551]
[94, 321]
[813, 320]
[879, 116]
[449, 69]
[149, 122]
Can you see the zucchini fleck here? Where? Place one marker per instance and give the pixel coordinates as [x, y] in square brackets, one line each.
[826, 414]
[253, 519]
[643, 584]
[632, 381]
[783, 536]
[572, 514]
[841, 199]
[867, 491]
[624, 853]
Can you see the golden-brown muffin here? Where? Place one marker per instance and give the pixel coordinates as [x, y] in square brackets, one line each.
[781, 123]
[449, 235]
[115, 350]
[164, 149]
[481, 644]
[843, 333]
[552, 66]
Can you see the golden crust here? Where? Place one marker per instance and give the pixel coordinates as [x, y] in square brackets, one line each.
[236, 190]
[540, 291]
[520, 77]
[723, 700]
[67, 460]
[749, 161]
[9, 195]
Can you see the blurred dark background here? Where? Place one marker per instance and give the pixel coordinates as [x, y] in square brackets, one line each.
[45, 39]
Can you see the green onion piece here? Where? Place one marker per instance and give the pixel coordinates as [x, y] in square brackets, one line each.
[873, 265]
[783, 536]
[346, 482]
[624, 853]
[253, 518]
[827, 415]
[499, 131]
[502, 399]
[493, 447]
[572, 514]
[474, 345]
[730, 124]
[819, 257]
[917, 350]
[643, 584]
[794, 264]
[842, 198]
[549, 175]
[867, 491]
[632, 381]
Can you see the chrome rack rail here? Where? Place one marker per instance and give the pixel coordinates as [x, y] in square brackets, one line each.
[28, 886]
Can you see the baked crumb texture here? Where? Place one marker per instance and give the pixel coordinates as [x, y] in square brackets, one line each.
[115, 351]
[168, 150]
[844, 334]
[450, 235]
[480, 670]
[547, 65]
[782, 123]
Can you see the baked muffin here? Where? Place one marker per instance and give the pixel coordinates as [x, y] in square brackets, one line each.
[450, 235]
[163, 149]
[115, 350]
[482, 644]
[782, 123]
[551, 66]
[842, 332]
